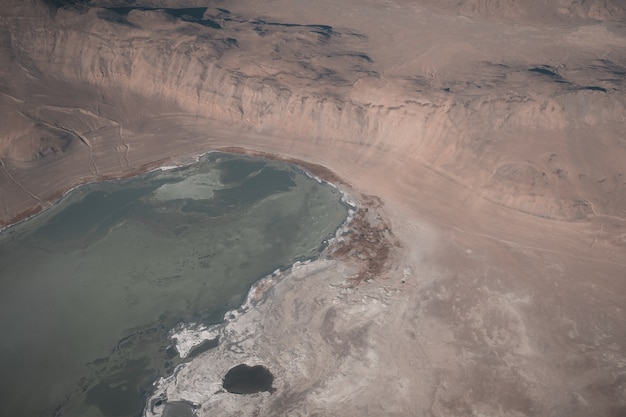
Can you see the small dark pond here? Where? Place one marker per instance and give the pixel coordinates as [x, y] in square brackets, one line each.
[244, 379]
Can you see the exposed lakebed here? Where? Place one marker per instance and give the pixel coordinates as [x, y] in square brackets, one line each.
[90, 289]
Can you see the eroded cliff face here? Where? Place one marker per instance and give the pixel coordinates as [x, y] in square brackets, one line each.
[517, 125]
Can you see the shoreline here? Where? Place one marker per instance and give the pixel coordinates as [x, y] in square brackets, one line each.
[261, 293]
[318, 171]
[418, 301]
[334, 266]
[260, 286]
[60, 195]
[35, 211]
[187, 336]
[200, 333]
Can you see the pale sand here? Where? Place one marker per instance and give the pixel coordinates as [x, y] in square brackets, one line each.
[492, 133]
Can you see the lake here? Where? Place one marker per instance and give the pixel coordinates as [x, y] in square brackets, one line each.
[90, 289]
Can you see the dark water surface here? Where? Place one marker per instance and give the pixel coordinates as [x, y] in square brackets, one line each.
[90, 289]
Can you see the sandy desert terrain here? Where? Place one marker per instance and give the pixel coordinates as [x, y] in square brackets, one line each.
[485, 138]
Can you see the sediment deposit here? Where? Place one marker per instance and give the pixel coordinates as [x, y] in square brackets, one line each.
[487, 137]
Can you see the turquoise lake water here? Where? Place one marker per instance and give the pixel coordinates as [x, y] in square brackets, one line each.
[90, 289]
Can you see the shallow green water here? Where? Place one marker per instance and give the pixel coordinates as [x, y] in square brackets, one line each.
[90, 289]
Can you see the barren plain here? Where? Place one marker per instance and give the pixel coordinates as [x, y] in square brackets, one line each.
[484, 141]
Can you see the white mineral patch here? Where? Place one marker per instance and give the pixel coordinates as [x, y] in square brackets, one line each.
[198, 186]
[191, 335]
[345, 198]
[187, 336]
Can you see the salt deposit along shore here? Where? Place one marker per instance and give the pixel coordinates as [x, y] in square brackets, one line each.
[336, 337]
[485, 140]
